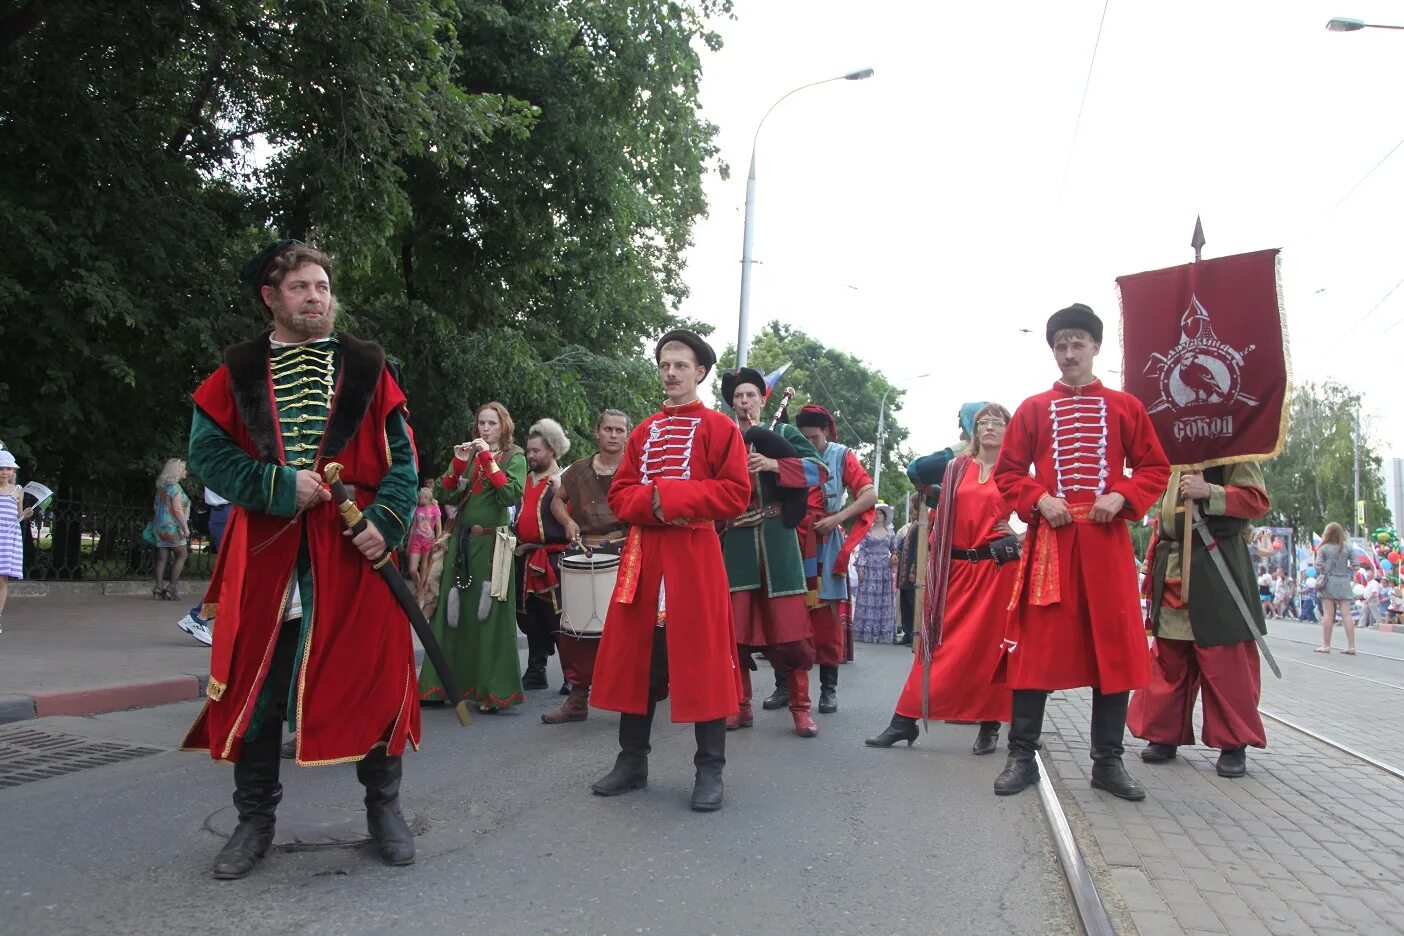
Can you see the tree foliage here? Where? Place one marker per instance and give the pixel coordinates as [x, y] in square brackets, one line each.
[507, 189]
[844, 385]
[1312, 481]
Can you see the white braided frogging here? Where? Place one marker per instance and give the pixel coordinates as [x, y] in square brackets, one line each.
[1079, 444]
[667, 452]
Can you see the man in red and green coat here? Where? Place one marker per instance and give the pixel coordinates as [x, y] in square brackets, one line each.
[308, 631]
[765, 563]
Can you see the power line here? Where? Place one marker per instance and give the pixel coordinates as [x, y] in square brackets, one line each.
[1361, 321]
[1077, 124]
[1368, 174]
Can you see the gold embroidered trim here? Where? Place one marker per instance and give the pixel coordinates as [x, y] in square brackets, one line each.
[392, 513]
[262, 674]
[215, 690]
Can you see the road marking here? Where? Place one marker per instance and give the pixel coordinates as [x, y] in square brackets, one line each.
[1372, 761]
[1339, 672]
[1091, 912]
[1312, 643]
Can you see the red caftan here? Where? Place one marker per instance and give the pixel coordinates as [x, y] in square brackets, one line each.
[1077, 619]
[976, 618]
[696, 460]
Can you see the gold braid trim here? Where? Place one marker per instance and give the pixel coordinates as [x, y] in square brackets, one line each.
[216, 689]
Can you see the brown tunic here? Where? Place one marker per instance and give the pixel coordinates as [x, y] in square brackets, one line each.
[587, 495]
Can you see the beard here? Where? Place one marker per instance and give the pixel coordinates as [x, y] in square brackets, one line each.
[299, 324]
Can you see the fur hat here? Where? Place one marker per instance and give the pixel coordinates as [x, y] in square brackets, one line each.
[815, 416]
[552, 434]
[742, 375]
[706, 357]
[1077, 316]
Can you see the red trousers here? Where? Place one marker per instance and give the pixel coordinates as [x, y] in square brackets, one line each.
[1228, 676]
[577, 658]
[830, 647]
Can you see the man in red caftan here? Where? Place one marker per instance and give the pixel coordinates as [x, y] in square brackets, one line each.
[1077, 619]
[834, 547]
[544, 531]
[309, 633]
[669, 627]
[1204, 643]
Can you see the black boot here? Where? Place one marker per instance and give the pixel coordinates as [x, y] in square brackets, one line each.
[1233, 762]
[1108, 729]
[1157, 753]
[710, 759]
[380, 775]
[535, 675]
[987, 741]
[631, 766]
[1020, 771]
[256, 796]
[780, 698]
[828, 690]
[901, 728]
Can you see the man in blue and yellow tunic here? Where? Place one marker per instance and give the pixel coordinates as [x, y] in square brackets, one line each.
[339, 669]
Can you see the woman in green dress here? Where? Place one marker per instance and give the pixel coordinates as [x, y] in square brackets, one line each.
[478, 631]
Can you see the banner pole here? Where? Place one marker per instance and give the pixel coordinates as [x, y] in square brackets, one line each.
[1187, 505]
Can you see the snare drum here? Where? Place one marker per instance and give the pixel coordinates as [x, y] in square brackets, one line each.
[587, 583]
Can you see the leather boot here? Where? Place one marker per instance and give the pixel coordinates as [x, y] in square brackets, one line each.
[987, 741]
[781, 696]
[799, 704]
[380, 773]
[576, 707]
[535, 675]
[901, 728]
[710, 759]
[1020, 771]
[256, 796]
[828, 690]
[743, 718]
[1233, 762]
[631, 766]
[1108, 730]
[1157, 753]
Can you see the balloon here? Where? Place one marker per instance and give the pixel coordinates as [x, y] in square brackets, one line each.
[1394, 557]
[1311, 571]
[1382, 536]
[1386, 565]
[1277, 544]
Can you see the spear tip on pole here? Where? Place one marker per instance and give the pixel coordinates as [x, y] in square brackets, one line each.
[1197, 241]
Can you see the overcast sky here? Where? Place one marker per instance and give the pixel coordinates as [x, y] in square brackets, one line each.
[922, 218]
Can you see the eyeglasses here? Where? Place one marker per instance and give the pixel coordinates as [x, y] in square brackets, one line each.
[990, 423]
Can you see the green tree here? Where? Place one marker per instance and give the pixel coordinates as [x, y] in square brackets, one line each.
[507, 188]
[847, 387]
[1311, 482]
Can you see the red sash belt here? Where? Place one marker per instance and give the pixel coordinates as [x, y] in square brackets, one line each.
[632, 556]
[1044, 576]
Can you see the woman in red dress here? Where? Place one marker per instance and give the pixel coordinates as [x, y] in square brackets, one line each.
[969, 581]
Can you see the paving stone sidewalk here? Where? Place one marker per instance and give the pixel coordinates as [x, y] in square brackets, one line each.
[1308, 842]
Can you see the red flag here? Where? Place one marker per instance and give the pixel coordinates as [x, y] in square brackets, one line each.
[1204, 348]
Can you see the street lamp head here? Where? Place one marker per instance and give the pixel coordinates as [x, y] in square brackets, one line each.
[862, 73]
[1344, 24]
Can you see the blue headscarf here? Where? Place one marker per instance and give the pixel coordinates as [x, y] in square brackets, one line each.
[967, 416]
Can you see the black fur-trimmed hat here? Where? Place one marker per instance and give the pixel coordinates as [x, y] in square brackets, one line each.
[705, 355]
[1077, 316]
[742, 375]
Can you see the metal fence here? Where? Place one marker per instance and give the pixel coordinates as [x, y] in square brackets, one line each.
[81, 541]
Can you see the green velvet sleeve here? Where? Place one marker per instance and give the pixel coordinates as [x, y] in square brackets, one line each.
[221, 465]
[510, 494]
[399, 490]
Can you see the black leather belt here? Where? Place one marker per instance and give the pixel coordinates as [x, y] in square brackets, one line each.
[973, 555]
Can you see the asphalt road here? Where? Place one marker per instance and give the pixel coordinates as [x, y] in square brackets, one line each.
[820, 835]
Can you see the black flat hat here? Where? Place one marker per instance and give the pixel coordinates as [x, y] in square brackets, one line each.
[254, 273]
[1077, 316]
[742, 375]
[706, 357]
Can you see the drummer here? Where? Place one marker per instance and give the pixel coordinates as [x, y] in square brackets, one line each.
[585, 485]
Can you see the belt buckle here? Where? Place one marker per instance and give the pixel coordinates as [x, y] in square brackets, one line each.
[970, 555]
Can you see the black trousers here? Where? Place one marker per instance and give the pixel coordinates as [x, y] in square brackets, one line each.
[539, 621]
[906, 603]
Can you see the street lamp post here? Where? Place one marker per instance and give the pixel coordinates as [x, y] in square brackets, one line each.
[743, 335]
[1345, 24]
[882, 429]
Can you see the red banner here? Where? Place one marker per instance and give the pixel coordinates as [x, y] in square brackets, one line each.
[1204, 348]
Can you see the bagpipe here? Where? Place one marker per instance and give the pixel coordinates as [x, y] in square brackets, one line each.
[789, 504]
